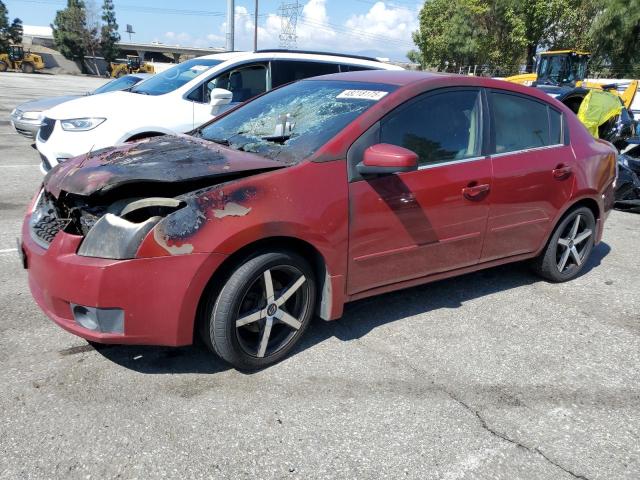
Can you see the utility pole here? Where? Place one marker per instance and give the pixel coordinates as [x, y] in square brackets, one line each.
[288, 22]
[255, 28]
[231, 20]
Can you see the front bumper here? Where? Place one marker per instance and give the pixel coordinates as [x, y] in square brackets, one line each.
[159, 295]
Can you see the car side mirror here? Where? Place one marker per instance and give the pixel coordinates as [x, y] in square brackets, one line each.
[385, 158]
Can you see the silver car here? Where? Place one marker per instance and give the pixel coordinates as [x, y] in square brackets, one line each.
[27, 117]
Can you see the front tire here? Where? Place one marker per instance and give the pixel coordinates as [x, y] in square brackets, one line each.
[261, 311]
[27, 68]
[569, 247]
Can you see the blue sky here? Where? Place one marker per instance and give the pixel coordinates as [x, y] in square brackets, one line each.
[356, 26]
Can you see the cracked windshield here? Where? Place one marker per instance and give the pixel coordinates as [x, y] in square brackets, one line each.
[291, 123]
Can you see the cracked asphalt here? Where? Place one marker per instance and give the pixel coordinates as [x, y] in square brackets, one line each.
[491, 375]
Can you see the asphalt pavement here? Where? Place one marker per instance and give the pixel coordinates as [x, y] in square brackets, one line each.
[495, 374]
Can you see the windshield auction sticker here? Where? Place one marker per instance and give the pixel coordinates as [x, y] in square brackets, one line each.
[373, 95]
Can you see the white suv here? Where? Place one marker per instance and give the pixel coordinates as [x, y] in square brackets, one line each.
[180, 98]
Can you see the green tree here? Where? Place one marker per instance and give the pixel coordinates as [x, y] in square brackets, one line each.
[109, 36]
[455, 33]
[4, 27]
[9, 33]
[70, 31]
[615, 37]
[446, 36]
[504, 33]
[16, 30]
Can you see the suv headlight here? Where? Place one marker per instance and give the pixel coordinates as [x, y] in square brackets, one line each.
[81, 124]
[32, 115]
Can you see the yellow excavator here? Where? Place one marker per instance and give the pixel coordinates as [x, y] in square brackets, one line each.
[17, 59]
[132, 65]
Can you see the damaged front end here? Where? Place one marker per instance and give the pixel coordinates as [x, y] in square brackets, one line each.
[627, 193]
[114, 201]
[113, 230]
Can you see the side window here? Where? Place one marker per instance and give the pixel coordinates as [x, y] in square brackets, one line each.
[555, 127]
[520, 123]
[440, 127]
[244, 83]
[284, 71]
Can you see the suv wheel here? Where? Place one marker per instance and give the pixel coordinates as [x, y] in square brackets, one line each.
[262, 310]
[569, 247]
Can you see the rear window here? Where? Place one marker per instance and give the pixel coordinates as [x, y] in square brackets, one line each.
[520, 123]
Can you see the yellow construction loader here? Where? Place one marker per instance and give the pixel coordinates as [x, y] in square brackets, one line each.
[17, 59]
[559, 72]
[132, 65]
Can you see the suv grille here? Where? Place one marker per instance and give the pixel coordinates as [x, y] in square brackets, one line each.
[46, 128]
[44, 223]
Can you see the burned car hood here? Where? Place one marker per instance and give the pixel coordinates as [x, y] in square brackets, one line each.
[165, 160]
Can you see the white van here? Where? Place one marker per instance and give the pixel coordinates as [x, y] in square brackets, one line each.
[180, 98]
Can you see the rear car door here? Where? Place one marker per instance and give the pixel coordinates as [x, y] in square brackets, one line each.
[532, 160]
[409, 225]
[286, 71]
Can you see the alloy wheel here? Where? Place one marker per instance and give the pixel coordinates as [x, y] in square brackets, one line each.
[573, 246]
[271, 311]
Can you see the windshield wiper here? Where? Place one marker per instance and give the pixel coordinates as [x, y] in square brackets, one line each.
[219, 141]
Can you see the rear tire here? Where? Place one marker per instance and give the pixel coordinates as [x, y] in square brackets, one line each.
[27, 67]
[261, 311]
[3, 66]
[569, 247]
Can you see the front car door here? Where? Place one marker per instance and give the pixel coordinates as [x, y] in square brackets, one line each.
[410, 225]
[243, 81]
[531, 160]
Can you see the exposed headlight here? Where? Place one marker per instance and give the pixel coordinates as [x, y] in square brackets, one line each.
[116, 238]
[36, 199]
[32, 115]
[80, 124]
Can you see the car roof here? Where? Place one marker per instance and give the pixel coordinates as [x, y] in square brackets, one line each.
[302, 55]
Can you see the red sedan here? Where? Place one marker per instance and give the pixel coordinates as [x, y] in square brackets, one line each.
[313, 195]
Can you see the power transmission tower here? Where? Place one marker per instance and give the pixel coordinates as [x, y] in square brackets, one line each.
[289, 21]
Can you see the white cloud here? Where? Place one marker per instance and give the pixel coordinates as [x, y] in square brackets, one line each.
[384, 30]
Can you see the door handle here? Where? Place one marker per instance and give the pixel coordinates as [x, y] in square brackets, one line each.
[562, 172]
[475, 192]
